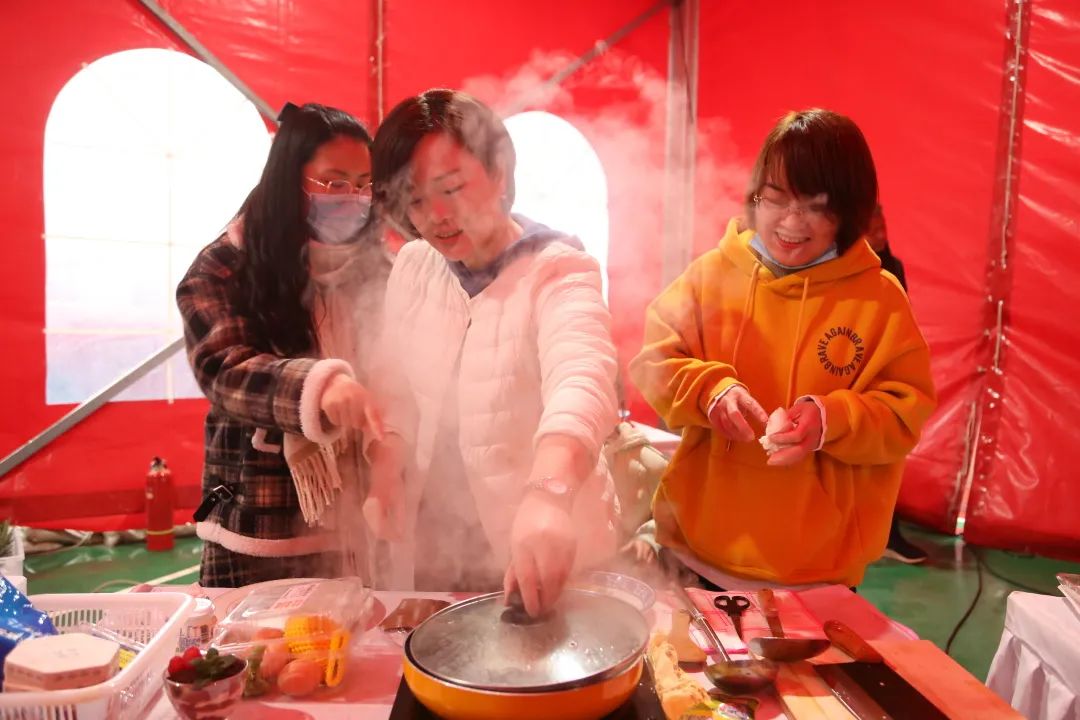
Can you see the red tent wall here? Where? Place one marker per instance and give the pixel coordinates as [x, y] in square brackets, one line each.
[925, 82]
[93, 476]
[612, 101]
[1024, 491]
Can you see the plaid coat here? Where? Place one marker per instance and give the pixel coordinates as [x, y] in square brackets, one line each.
[250, 503]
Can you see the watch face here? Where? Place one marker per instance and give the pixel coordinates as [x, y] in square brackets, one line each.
[559, 487]
[552, 485]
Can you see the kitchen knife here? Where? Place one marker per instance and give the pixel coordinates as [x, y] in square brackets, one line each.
[868, 687]
[853, 697]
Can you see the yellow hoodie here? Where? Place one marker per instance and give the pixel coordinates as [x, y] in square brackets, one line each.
[843, 331]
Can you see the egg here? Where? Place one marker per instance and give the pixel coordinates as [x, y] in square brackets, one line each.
[275, 657]
[779, 422]
[300, 677]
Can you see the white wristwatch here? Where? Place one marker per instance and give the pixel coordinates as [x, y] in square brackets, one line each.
[555, 487]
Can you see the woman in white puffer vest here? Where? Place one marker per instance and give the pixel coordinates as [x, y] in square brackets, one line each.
[498, 375]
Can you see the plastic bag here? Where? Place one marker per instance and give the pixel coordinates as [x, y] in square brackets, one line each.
[296, 636]
[19, 620]
[722, 709]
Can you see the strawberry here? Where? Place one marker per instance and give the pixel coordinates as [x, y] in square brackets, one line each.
[192, 667]
[177, 664]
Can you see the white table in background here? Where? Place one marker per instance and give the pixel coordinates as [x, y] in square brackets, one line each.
[1037, 665]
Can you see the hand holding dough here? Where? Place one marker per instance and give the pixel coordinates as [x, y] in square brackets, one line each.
[779, 422]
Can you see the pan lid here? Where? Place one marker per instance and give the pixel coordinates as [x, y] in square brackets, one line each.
[483, 644]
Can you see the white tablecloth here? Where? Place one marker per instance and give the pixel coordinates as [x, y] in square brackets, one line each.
[1037, 665]
[367, 693]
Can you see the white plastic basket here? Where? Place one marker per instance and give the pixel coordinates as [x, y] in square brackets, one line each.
[154, 619]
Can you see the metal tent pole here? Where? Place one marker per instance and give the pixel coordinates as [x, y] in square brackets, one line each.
[680, 140]
[987, 405]
[88, 407]
[208, 57]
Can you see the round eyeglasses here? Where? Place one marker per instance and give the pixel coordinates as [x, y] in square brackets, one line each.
[341, 187]
[811, 211]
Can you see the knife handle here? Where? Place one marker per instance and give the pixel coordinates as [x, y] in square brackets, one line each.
[849, 641]
[767, 601]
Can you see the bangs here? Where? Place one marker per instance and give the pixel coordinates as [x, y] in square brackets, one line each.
[802, 162]
[818, 151]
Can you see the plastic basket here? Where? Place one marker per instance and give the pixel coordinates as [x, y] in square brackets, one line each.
[154, 619]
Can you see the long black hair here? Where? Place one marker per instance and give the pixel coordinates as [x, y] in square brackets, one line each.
[275, 271]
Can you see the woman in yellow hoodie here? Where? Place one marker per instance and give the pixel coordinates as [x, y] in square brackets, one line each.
[792, 311]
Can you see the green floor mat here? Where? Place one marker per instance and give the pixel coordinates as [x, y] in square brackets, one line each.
[931, 598]
[99, 568]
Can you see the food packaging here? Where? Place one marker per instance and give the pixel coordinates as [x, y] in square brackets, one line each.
[296, 636]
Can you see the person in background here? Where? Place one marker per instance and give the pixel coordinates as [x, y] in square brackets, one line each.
[791, 312]
[898, 547]
[499, 382]
[878, 237]
[278, 316]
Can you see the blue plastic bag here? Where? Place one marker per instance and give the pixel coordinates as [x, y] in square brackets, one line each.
[19, 620]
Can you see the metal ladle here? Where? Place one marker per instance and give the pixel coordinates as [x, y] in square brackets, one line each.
[780, 647]
[735, 677]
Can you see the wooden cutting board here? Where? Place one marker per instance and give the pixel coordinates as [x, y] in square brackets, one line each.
[954, 690]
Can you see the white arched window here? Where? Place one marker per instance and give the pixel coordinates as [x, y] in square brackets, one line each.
[148, 154]
[560, 181]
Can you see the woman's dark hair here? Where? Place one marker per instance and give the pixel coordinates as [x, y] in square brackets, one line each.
[471, 123]
[275, 272]
[820, 151]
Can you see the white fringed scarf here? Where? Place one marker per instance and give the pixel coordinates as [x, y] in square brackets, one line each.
[338, 282]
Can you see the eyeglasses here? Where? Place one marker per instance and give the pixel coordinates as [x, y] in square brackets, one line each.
[813, 211]
[341, 187]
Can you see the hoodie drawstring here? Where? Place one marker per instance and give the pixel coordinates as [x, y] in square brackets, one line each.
[795, 344]
[748, 308]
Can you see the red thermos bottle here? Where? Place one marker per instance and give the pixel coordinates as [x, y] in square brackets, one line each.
[159, 507]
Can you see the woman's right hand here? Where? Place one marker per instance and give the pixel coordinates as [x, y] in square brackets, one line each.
[542, 549]
[384, 507]
[347, 403]
[729, 416]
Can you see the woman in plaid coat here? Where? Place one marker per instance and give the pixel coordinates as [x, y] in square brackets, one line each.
[277, 314]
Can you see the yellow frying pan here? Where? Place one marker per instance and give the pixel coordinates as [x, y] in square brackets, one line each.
[479, 660]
